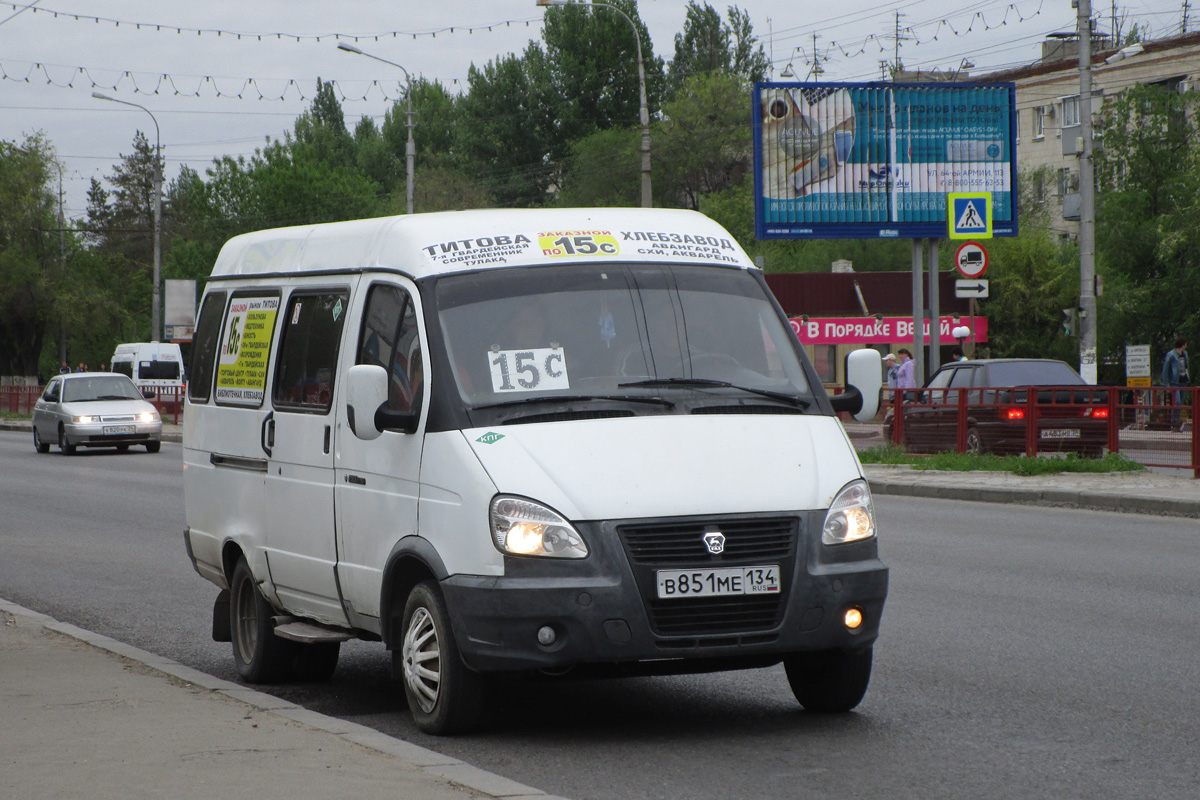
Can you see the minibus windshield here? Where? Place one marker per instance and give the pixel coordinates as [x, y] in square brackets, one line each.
[616, 332]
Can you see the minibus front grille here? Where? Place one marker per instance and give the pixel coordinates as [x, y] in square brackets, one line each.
[682, 544]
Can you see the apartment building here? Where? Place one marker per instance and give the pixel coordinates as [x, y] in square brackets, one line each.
[1048, 107]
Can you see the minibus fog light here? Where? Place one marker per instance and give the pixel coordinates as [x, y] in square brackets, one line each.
[851, 516]
[853, 618]
[525, 528]
[546, 636]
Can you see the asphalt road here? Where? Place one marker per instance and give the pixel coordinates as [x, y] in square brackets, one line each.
[1026, 653]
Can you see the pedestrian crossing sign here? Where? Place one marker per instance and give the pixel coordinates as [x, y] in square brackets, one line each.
[970, 215]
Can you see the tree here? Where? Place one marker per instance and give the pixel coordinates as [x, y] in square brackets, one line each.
[708, 45]
[28, 252]
[1147, 235]
[703, 143]
[603, 169]
[591, 60]
[505, 137]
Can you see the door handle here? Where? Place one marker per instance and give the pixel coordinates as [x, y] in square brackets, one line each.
[267, 435]
[326, 440]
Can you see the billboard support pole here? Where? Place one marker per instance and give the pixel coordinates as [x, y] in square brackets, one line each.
[918, 310]
[935, 310]
[1087, 212]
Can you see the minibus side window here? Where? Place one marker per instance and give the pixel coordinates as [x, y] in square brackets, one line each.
[390, 340]
[312, 332]
[204, 348]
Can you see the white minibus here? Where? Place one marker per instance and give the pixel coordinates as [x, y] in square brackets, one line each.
[524, 442]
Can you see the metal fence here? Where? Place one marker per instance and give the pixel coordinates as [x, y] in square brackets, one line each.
[1155, 427]
[21, 400]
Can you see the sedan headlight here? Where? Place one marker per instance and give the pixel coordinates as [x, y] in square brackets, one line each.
[526, 528]
[148, 416]
[851, 516]
[85, 420]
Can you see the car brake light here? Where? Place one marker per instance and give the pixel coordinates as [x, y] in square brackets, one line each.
[1097, 413]
[1014, 413]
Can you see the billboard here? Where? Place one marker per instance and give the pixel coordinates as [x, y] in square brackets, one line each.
[877, 160]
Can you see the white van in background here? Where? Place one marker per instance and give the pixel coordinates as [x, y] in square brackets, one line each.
[151, 365]
[524, 442]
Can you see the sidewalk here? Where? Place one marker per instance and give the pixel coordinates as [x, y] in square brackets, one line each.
[87, 716]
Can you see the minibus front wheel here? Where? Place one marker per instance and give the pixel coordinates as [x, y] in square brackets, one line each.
[443, 695]
[829, 680]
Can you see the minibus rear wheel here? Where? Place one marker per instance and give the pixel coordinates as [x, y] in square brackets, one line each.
[260, 655]
[829, 680]
[443, 695]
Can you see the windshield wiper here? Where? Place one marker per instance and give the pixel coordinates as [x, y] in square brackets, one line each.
[790, 399]
[114, 397]
[572, 398]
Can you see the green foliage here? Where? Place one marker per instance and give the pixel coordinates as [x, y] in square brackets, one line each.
[707, 45]
[603, 169]
[505, 133]
[27, 252]
[1147, 236]
[1033, 277]
[703, 143]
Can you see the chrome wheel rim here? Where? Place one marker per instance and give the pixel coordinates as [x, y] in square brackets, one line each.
[422, 659]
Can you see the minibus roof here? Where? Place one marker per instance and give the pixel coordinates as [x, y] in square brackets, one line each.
[455, 241]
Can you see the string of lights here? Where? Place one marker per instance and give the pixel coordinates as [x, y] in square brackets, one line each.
[159, 27]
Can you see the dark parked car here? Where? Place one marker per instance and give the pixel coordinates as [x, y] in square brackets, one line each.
[1067, 419]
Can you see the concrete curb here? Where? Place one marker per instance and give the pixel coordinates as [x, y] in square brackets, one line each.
[1077, 498]
[435, 764]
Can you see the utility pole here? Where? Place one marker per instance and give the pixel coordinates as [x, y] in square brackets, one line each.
[1087, 202]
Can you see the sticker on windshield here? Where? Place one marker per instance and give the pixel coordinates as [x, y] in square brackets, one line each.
[541, 369]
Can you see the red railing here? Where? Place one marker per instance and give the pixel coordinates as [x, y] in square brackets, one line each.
[21, 400]
[1153, 426]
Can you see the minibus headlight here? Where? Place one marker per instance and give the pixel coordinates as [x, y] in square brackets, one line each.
[523, 527]
[851, 516]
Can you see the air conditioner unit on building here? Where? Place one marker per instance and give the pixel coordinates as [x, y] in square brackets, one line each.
[1185, 85]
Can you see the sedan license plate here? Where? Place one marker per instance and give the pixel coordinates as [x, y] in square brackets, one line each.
[117, 430]
[675, 583]
[1060, 433]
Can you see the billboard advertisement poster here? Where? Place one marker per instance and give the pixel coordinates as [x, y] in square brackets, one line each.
[877, 160]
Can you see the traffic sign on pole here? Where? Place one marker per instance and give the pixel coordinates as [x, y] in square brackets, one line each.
[971, 288]
[971, 260]
[970, 215]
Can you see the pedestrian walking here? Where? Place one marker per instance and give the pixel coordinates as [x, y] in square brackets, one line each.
[1175, 376]
[892, 370]
[905, 373]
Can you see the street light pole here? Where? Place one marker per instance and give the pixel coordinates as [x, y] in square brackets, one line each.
[644, 110]
[156, 295]
[410, 150]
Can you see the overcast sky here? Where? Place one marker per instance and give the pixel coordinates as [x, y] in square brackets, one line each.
[51, 61]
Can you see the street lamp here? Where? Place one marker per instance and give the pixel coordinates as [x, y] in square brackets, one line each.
[156, 295]
[644, 113]
[410, 151]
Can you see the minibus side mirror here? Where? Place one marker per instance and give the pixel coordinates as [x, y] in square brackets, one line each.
[366, 391]
[864, 379]
[366, 404]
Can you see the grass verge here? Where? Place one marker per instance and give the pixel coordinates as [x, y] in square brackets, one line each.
[1018, 465]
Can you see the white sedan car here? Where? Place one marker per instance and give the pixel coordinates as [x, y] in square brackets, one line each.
[94, 409]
